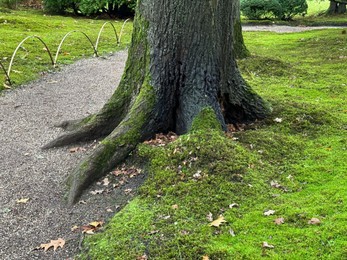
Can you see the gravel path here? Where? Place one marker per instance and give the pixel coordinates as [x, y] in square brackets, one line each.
[26, 119]
[287, 29]
[27, 172]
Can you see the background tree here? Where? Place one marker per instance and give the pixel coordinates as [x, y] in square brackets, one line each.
[337, 7]
[240, 49]
[179, 66]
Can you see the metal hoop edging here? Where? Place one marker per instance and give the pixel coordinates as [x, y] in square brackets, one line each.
[121, 31]
[99, 35]
[20, 44]
[7, 76]
[62, 41]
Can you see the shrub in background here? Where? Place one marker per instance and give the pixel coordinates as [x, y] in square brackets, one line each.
[279, 9]
[92, 7]
[11, 4]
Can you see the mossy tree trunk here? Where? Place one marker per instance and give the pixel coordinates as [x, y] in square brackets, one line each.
[180, 62]
[240, 49]
[337, 7]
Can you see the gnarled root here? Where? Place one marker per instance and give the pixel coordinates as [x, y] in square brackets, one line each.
[114, 149]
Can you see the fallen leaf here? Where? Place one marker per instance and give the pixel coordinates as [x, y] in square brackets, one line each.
[205, 257]
[174, 206]
[197, 175]
[109, 210]
[269, 212]
[88, 230]
[143, 257]
[96, 224]
[266, 245]
[23, 201]
[127, 191]
[77, 149]
[219, 221]
[279, 221]
[234, 205]
[314, 221]
[275, 184]
[74, 228]
[209, 217]
[54, 243]
[106, 182]
[96, 192]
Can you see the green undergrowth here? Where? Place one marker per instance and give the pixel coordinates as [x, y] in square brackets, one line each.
[294, 163]
[316, 16]
[32, 59]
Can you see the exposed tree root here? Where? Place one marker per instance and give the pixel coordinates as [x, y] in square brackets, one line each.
[115, 147]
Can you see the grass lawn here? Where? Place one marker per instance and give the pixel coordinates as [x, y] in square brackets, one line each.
[293, 163]
[32, 58]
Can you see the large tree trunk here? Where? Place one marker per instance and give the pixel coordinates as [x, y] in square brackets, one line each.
[181, 61]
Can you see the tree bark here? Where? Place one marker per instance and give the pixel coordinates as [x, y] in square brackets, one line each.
[337, 7]
[240, 49]
[181, 61]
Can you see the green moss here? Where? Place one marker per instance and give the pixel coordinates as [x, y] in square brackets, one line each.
[206, 120]
[205, 171]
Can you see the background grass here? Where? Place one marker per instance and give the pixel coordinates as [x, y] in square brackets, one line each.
[303, 76]
[32, 59]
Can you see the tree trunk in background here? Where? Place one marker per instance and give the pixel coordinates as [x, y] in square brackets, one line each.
[181, 62]
[337, 7]
[240, 49]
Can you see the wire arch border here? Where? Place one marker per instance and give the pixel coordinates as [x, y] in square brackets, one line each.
[20, 44]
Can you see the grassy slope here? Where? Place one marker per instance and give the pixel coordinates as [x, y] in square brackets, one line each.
[32, 59]
[303, 76]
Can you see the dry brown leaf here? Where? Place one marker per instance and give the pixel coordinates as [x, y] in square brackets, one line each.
[205, 257]
[279, 221]
[174, 206]
[96, 224]
[314, 221]
[88, 230]
[54, 243]
[219, 221]
[77, 149]
[143, 257]
[266, 245]
[23, 201]
[269, 212]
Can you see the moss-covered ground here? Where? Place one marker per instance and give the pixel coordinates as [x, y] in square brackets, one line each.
[32, 59]
[293, 163]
